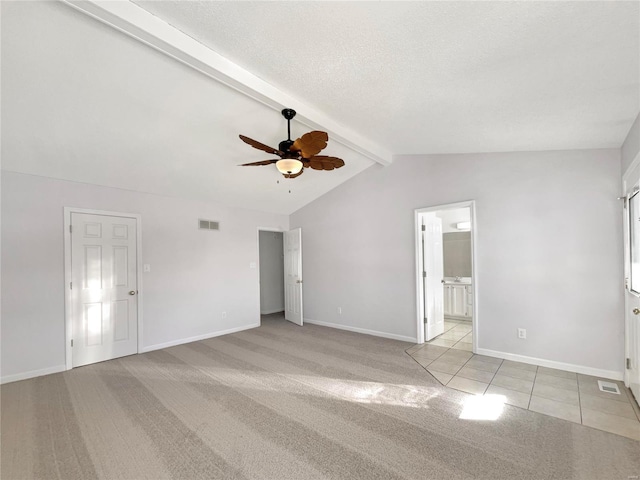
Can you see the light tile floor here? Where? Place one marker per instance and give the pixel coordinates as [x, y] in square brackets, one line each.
[567, 395]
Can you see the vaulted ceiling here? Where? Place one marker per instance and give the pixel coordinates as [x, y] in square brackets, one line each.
[440, 77]
[85, 102]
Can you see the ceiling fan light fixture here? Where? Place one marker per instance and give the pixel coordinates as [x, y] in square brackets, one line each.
[289, 166]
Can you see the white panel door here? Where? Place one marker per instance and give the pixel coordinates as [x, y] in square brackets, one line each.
[632, 296]
[104, 287]
[293, 276]
[433, 260]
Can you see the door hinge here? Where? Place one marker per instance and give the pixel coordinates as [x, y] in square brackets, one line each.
[72, 342]
[628, 364]
[70, 285]
[70, 229]
[424, 274]
[423, 228]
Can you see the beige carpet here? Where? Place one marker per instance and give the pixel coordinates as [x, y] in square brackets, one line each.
[283, 402]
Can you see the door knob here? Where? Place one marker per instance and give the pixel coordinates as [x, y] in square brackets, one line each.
[132, 292]
[636, 311]
[298, 281]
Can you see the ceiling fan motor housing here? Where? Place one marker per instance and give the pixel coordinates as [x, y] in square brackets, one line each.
[285, 146]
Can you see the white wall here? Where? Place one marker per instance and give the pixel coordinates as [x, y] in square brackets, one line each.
[271, 272]
[631, 146]
[549, 245]
[195, 275]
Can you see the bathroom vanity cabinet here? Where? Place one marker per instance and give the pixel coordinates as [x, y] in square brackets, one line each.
[458, 300]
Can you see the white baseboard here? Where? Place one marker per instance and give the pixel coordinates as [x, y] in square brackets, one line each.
[570, 367]
[32, 374]
[61, 368]
[182, 341]
[269, 312]
[375, 333]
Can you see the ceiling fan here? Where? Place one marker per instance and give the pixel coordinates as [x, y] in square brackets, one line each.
[296, 155]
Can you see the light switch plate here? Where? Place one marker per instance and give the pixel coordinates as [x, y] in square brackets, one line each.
[252, 265]
[146, 268]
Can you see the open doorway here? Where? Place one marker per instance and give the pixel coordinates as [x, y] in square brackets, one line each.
[446, 277]
[271, 256]
[280, 275]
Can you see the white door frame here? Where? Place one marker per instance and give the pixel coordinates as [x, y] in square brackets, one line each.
[627, 262]
[263, 229]
[68, 305]
[418, 263]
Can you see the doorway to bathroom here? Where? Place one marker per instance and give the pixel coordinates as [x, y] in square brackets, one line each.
[446, 277]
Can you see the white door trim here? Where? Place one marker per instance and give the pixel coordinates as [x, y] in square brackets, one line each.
[418, 262]
[68, 310]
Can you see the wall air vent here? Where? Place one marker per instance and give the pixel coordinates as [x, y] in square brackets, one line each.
[208, 225]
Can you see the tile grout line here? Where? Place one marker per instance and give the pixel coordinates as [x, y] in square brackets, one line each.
[425, 366]
[535, 379]
[461, 367]
[579, 401]
[494, 375]
[635, 405]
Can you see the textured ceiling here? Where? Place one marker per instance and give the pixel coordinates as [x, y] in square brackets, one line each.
[83, 102]
[440, 77]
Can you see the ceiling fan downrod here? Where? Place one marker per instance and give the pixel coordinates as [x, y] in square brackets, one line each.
[288, 113]
[285, 145]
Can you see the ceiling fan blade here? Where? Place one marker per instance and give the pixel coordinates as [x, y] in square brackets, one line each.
[335, 161]
[310, 143]
[318, 165]
[322, 162]
[260, 146]
[263, 162]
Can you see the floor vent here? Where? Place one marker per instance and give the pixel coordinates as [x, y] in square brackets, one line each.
[208, 225]
[608, 387]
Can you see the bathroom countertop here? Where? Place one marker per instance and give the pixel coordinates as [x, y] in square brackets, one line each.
[462, 281]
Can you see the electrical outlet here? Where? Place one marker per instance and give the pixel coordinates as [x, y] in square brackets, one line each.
[522, 333]
[339, 310]
[224, 315]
